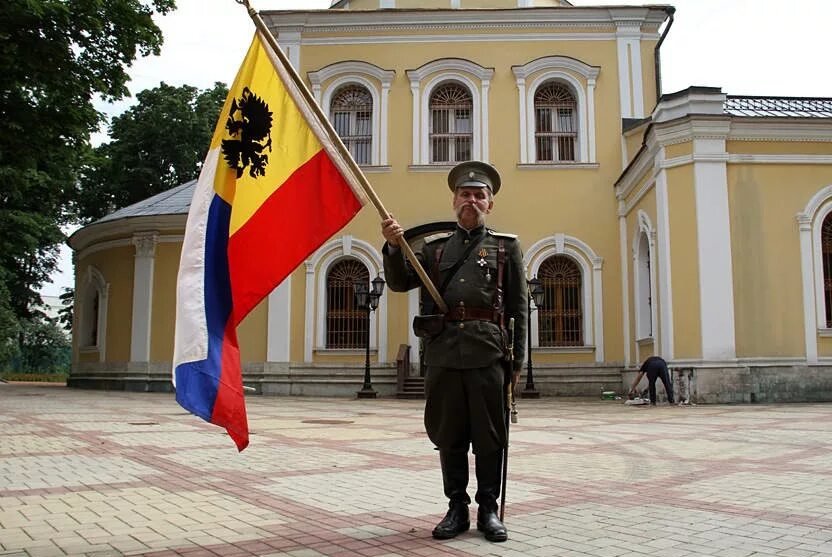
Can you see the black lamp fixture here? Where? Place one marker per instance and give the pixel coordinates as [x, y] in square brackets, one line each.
[367, 298]
[536, 295]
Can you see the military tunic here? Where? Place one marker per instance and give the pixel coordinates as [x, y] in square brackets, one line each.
[465, 375]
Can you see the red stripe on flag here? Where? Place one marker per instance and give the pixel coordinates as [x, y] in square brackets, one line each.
[230, 405]
[306, 210]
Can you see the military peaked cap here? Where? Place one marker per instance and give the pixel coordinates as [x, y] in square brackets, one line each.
[474, 174]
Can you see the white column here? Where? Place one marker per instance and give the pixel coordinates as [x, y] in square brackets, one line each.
[309, 313]
[713, 231]
[810, 324]
[665, 336]
[289, 41]
[598, 308]
[625, 282]
[521, 90]
[629, 82]
[279, 325]
[484, 134]
[143, 264]
[590, 117]
[382, 137]
[417, 121]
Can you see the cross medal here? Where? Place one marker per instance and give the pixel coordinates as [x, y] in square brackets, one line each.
[481, 262]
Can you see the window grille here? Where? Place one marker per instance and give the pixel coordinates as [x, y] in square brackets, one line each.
[90, 327]
[826, 253]
[556, 128]
[451, 132]
[346, 323]
[560, 319]
[352, 117]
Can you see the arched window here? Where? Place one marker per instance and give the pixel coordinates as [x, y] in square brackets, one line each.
[560, 319]
[643, 295]
[451, 131]
[556, 123]
[89, 320]
[351, 113]
[826, 251]
[346, 324]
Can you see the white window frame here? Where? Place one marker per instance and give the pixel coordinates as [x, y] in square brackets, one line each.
[92, 285]
[425, 79]
[645, 313]
[530, 76]
[317, 270]
[592, 304]
[810, 225]
[328, 80]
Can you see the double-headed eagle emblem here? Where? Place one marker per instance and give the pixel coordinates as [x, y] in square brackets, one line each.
[249, 123]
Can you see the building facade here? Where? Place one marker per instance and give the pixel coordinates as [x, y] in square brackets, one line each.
[691, 225]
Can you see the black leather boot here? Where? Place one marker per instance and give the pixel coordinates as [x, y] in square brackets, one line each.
[489, 468]
[455, 484]
[456, 521]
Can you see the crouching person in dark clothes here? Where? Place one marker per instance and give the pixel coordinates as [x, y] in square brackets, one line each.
[655, 368]
[479, 273]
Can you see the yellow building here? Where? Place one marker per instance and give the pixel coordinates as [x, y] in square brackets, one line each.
[692, 226]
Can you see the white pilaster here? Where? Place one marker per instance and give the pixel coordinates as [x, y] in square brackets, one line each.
[412, 339]
[665, 343]
[417, 120]
[625, 283]
[279, 331]
[810, 324]
[143, 265]
[590, 117]
[385, 97]
[309, 313]
[713, 228]
[521, 87]
[484, 90]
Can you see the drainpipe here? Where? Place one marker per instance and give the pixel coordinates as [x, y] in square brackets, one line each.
[670, 10]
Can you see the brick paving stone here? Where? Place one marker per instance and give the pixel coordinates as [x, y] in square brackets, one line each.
[88, 473]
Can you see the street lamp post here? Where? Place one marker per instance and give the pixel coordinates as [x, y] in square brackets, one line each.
[536, 294]
[367, 298]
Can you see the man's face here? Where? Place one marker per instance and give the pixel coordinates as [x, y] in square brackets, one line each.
[471, 205]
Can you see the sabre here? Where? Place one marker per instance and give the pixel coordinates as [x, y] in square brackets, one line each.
[511, 411]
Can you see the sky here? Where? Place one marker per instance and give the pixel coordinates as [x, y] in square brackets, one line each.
[746, 47]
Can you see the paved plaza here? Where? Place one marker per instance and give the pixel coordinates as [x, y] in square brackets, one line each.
[111, 473]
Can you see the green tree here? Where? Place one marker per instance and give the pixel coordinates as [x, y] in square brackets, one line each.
[44, 346]
[56, 57]
[157, 144]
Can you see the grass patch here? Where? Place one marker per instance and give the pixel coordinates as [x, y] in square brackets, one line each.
[34, 377]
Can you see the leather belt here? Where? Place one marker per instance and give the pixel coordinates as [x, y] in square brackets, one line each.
[461, 313]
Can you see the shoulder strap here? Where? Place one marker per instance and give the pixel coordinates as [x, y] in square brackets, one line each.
[497, 306]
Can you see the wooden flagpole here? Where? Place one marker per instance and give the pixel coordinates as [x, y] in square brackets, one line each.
[331, 141]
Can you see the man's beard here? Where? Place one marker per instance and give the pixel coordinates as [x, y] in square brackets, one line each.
[477, 211]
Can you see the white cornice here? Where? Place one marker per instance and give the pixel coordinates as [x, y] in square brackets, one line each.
[385, 77]
[559, 62]
[372, 20]
[449, 65]
[780, 129]
[124, 228]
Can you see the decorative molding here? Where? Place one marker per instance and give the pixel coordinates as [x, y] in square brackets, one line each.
[810, 224]
[329, 79]
[142, 309]
[317, 268]
[145, 243]
[426, 78]
[561, 69]
[590, 265]
[93, 283]
[742, 158]
[339, 21]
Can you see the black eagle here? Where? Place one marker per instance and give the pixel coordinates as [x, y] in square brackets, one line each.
[249, 123]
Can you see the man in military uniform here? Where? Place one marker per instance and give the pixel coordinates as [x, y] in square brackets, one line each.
[480, 275]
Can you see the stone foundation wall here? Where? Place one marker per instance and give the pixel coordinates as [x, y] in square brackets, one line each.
[705, 385]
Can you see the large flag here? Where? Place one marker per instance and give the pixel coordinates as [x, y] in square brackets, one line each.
[272, 190]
